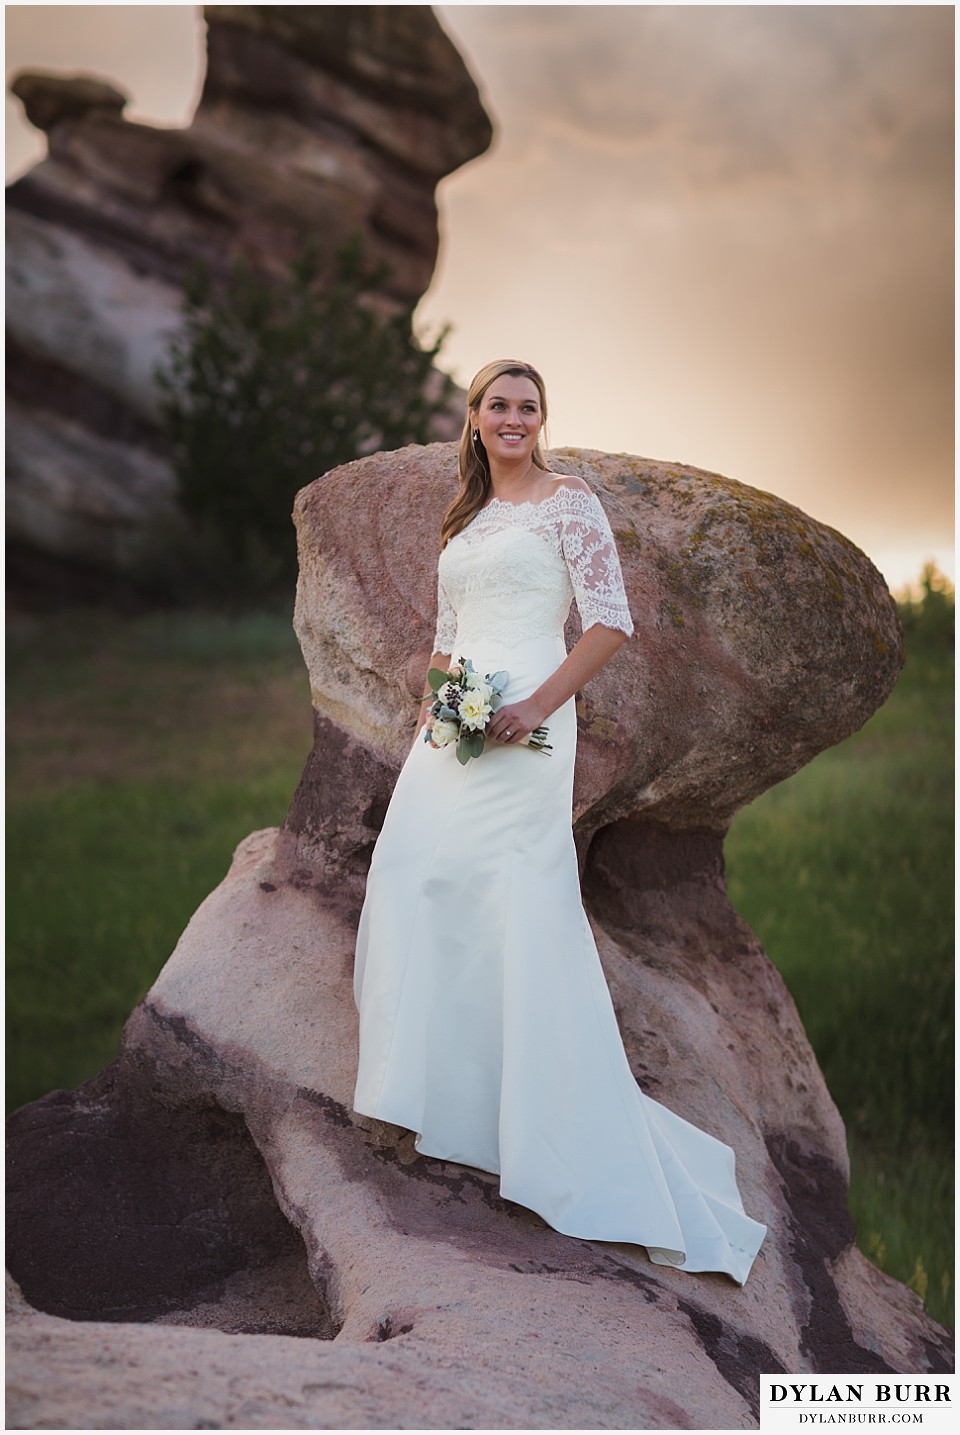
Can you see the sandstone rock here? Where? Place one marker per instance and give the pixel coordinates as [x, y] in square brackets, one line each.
[314, 120]
[102, 323]
[166, 1191]
[340, 117]
[72, 491]
[88, 476]
[763, 637]
[449, 1306]
[48, 99]
[389, 72]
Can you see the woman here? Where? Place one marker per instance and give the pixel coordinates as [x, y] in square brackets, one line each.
[486, 1025]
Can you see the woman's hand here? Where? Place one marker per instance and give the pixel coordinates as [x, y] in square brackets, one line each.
[514, 722]
[438, 660]
[593, 648]
[424, 713]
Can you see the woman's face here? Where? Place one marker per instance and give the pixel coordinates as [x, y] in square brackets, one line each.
[509, 418]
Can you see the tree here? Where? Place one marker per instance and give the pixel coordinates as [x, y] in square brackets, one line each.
[271, 384]
[928, 619]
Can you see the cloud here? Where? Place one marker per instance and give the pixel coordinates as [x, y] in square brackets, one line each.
[734, 94]
[741, 217]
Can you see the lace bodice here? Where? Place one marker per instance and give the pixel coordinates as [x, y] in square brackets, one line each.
[513, 571]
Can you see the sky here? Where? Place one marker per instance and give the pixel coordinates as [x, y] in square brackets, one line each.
[724, 234]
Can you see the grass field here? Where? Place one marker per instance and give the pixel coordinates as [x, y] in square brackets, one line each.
[139, 754]
[141, 750]
[845, 872]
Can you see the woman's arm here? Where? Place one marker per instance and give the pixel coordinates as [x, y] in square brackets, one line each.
[588, 655]
[439, 660]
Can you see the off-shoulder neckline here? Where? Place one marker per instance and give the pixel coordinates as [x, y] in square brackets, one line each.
[533, 502]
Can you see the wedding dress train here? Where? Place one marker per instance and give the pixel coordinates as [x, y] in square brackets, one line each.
[486, 1024]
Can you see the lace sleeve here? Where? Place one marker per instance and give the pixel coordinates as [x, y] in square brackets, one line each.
[446, 621]
[593, 563]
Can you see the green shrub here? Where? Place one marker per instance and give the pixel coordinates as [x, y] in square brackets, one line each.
[928, 620]
[271, 384]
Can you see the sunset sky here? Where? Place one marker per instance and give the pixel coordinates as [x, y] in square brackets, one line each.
[724, 234]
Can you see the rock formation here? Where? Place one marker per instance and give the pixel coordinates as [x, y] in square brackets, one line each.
[315, 120]
[215, 1175]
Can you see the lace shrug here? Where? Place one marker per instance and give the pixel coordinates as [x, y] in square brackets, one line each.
[513, 571]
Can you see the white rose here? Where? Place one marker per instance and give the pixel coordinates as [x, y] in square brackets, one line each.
[444, 730]
[475, 708]
[476, 684]
[448, 691]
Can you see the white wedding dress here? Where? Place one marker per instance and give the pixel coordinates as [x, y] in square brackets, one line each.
[486, 1024]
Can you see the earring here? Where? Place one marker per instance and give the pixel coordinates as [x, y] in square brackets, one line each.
[476, 435]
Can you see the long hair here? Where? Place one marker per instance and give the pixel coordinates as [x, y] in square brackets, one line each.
[473, 463]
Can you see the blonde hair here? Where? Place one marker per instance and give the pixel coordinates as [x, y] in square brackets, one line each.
[472, 459]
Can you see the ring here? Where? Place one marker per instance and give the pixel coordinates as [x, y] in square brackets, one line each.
[509, 733]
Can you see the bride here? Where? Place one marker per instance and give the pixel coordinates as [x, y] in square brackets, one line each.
[486, 1025]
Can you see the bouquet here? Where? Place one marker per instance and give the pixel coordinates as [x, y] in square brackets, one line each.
[463, 704]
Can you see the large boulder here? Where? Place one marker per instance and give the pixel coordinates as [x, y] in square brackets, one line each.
[178, 1187]
[762, 638]
[328, 121]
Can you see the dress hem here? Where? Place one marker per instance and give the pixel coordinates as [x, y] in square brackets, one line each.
[659, 1255]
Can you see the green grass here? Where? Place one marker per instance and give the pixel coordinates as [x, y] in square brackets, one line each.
[845, 872]
[141, 750]
[139, 754]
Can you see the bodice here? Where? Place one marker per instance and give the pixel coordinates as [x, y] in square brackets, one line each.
[512, 573]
